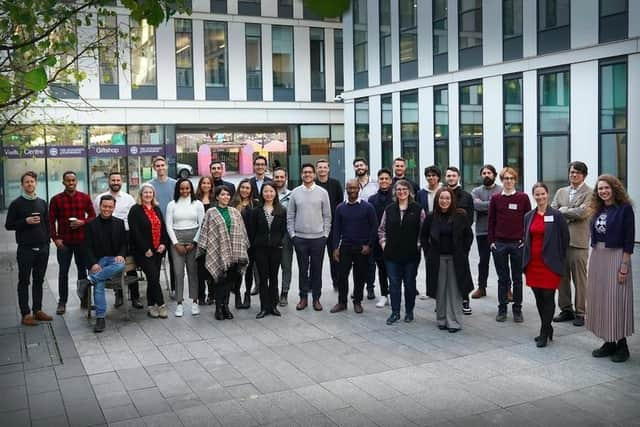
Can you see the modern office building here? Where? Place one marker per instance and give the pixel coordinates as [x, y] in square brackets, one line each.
[531, 84]
[233, 79]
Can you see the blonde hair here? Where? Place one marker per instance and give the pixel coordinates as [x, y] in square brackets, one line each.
[142, 188]
[509, 170]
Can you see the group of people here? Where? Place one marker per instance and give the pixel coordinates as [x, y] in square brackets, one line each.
[217, 237]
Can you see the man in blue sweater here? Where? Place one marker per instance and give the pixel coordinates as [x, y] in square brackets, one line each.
[353, 239]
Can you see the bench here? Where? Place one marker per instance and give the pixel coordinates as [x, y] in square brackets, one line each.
[119, 282]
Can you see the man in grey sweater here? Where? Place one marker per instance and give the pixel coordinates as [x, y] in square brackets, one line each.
[309, 225]
[481, 196]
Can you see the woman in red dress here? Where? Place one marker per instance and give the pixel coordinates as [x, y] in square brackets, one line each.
[546, 238]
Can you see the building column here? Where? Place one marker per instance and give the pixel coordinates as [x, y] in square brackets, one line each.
[269, 8]
[237, 67]
[347, 48]
[395, 42]
[584, 113]
[302, 61]
[124, 75]
[530, 120]
[349, 132]
[491, 32]
[395, 110]
[452, 21]
[425, 39]
[329, 65]
[584, 23]
[89, 88]
[633, 131]
[166, 61]
[492, 121]
[454, 123]
[267, 64]
[425, 131]
[529, 28]
[199, 93]
[375, 134]
[373, 42]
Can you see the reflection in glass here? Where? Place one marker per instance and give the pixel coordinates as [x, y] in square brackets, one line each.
[409, 148]
[362, 128]
[387, 131]
[215, 54]
[471, 134]
[554, 101]
[143, 54]
[184, 57]
[108, 50]
[282, 57]
[253, 35]
[441, 126]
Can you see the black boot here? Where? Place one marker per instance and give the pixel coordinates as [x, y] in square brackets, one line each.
[226, 313]
[607, 349]
[238, 298]
[100, 325]
[219, 314]
[622, 351]
[247, 301]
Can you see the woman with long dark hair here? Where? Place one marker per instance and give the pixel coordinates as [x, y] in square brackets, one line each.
[204, 193]
[267, 228]
[447, 239]
[244, 202]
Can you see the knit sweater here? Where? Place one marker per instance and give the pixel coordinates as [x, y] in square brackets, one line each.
[309, 213]
[183, 215]
[33, 235]
[481, 196]
[164, 192]
[355, 224]
[506, 216]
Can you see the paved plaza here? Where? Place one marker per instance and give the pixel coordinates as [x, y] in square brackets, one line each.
[304, 369]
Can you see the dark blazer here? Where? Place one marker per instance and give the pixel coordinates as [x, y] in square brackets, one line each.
[97, 233]
[255, 193]
[620, 228]
[258, 230]
[140, 237]
[462, 241]
[228, 184]
[556, 240]
[464, 200]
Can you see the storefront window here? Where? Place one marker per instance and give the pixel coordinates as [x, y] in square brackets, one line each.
[23, 149]
[314, 143]
[66, 151]
[107, 153]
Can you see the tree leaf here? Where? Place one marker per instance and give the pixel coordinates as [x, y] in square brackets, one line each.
[328, 9]
[49, 61]
[5, 89]
[36, 79]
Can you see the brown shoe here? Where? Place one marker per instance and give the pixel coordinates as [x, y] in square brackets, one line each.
[29, 320]
[509, 296]
[338, 308]
[357, 307]
[479, 293]
[317, 306]
[61, 308]
[43, 317]
[302, 304]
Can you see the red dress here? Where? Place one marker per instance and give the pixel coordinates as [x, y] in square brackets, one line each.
[537, 273]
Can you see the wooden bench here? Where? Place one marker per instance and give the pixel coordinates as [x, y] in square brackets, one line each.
[119, 282]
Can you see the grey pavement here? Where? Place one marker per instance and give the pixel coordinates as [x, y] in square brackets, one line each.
[303, 369]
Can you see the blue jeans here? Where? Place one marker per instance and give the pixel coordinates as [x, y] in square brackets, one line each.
[64, 256]
[505, 255]
[109, 269]
[399, 272]
[310, 254]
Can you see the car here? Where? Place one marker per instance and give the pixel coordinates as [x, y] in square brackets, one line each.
[184, 170]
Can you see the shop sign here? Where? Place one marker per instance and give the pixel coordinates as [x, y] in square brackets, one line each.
[107, 151]
[17, 153]
[66, 151]
[146, 150]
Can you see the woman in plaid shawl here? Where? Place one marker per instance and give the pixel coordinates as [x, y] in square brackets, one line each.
[223, 239]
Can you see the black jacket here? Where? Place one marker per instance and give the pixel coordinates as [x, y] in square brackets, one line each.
[255, 193]
[140, 231]
[260, 235]
[464, 200]
[462, 240]
[336, 193]
[34, 235]
[402, 234]
[555, 244]
[104, 238]
[228, 184]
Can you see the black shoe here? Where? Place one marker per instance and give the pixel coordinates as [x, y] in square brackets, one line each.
[501, 316]
[84, 303]
[136, 304]
[453, 330]
[607, 349]
[219, 315]
[275, 312]
[225, 311]
[578, 321]
[393, 318]
[442, 327]
[283, 299]
[466, 308]
[100, 325]
[371, 294]
[119, 300]
[517, 317]
[61, 308]
[564, 316]
[261, 314]
[541, 341]
[622, 352]
[246, 303]
[238, 298]
[408, 318]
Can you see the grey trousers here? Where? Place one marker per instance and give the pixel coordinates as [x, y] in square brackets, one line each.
[448, 298]
[188, 260]
[285, 262]
[576, 269]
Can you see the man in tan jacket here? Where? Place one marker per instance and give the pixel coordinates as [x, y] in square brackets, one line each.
[572, 201]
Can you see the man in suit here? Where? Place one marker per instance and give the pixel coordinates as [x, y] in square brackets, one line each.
[572, 201]
[259, 175]
[217, 171]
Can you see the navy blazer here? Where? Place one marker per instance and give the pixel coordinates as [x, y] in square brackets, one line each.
[621, 230]
[255, 193]
[556, 240]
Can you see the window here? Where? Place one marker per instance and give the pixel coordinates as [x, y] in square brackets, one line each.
[215, 60]
[613, 118]
[387, 130]
[469, 33]
[362, 128]
[471, 156]
[282, 60]
[253, 40]
[310, 14]
[64, 41]
[440, 37]
[218, 6]
[249, 7]
[614, 20]
[553, 26]
[143, 61]
[360, 60]
[511, 29]
[409, 132]
[441, 126]
[385, 41]
[553, 127]
[408, 10]
[184, 58]
[513, 150]
[285, 8]
[316, 36]
[338, 61]
[108, 56]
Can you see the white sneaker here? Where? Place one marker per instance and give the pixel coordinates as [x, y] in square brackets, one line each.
[382, 301]
[424, 297]
[195, 309]
[179, 310]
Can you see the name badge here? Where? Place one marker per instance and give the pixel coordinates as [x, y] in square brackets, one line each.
[548, 218]
[513, 206]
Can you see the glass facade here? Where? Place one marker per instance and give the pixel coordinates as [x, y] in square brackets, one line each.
[387, 131]
[184, 58]
[554, 17]
[253, 48]
[285, 8]
[408, 11]
[385, 41]
[614, 20]
[282, 62]
[338, 61]
[360, 55]
[215, 60]
[249, 7]
[316, 36]
[143, 61]
[409, 142]
[469, 33]
[108, 57]
[613, 118]
[471, 134]
[362, 128]
[440, 37]
[511, 29]
[554, 98]
[513, 149]
[441, 126]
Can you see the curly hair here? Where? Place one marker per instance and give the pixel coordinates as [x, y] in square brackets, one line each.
[620, 195]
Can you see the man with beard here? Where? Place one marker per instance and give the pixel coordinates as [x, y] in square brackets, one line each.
[463, 201]
[284, 194]
[216, 175]
[124, 201]
[481, 196]
[400, 172]
[367, 188]
[380, 201]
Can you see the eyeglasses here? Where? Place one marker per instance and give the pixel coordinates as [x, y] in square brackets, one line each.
[401, 190]
[508, 178]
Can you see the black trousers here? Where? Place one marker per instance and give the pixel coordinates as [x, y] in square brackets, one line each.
[485, 255]
[222, 287]
[351, 256]
[546, 304]
[333, 266]
[151, 268]
[205, 281]
[134, 289]
[32, 262]
[172, 273]
[267, 260]
[64, 256]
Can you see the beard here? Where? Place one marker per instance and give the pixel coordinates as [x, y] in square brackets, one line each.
[361, 172]
[488, 182]
[115, 187]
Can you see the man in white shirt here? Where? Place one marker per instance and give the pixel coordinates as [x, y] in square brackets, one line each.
[124, 201]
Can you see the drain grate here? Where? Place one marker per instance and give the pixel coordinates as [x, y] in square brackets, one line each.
[34, 347]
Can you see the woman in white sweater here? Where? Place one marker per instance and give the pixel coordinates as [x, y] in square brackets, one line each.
[184, 218]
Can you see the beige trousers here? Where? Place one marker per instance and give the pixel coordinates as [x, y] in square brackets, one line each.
[576, 269]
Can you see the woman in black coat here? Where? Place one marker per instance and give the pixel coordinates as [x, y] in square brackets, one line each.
[447, 238]
[267, 226]
[149, 240]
